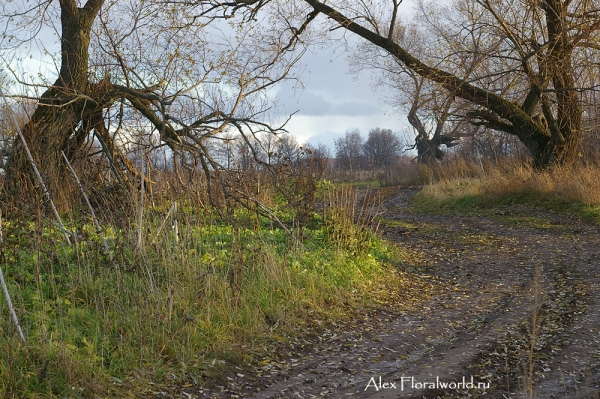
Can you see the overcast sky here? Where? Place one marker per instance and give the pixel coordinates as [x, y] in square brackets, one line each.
[334, 101]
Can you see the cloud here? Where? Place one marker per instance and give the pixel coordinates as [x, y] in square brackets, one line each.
[305, 127]
[305, 102]
[308, 103]
[355, 109]
[331, 101]
[325, 138]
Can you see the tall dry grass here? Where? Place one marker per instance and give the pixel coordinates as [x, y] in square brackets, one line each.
[347, 217]
[518, 182]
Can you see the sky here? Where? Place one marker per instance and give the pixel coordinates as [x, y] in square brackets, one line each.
[331, 101]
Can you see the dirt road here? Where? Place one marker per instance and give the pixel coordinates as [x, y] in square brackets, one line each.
[519, 316]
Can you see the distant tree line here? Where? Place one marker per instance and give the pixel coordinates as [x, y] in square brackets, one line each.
[381, 149]
[257, 153]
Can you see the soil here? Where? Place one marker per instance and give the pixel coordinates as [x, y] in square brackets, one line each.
[518, 316]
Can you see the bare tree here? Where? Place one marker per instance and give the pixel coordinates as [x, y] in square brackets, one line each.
[348, 151]
[382, 147]
[429, 106]
[321, 156]
[154, 67]
[288, 150]
[530, 82]
[268, 148]
[244, 154]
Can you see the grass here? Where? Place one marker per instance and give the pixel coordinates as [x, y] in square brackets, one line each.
[575, 191]
[231, 287]
[360, 184]
[226, 291]
[537, 222]
[402, 224]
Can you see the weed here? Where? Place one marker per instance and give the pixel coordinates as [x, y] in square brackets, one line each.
[347, 219]
[184, 305]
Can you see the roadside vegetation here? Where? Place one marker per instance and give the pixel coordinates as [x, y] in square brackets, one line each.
[478, 189]
[212, 290]
[195, 292]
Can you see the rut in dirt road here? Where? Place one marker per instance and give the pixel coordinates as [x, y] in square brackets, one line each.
[476, 337]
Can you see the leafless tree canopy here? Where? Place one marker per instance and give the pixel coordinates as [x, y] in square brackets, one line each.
[152, 74]
[524, 67]
[382, 148]
[174, 74]
[348, 151]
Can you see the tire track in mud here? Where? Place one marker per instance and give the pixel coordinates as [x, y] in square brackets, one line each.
[478, 327]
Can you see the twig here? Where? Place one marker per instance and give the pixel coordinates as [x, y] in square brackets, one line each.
[170, 306]
[11, 309]
[110, 158]
[171, 209]
[87, 201]
[176, 229]
[141, 213]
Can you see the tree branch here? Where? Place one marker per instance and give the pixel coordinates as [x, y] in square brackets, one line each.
[491, 121]
[527, 129]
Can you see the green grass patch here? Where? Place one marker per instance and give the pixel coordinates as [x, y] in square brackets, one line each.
[180, 311]
[537, 222]
[402, 224]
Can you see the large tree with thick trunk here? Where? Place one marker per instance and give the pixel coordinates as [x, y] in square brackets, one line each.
[161, 73]
[68, 108]
[530, 84]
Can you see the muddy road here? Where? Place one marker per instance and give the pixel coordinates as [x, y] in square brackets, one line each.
[518, 316]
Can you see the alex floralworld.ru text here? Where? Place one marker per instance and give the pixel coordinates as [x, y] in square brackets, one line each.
[411, 383]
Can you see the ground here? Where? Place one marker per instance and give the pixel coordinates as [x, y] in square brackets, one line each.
[484, 326]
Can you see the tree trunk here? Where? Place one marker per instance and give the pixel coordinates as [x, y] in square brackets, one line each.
[428, 152]
[60, 121]
[428, 149]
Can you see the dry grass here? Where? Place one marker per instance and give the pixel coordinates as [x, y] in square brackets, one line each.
[556, 188]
